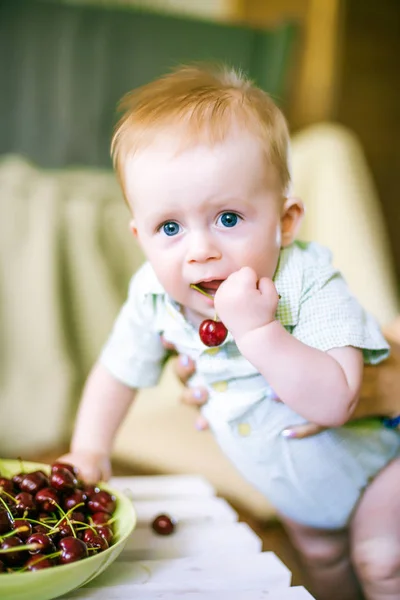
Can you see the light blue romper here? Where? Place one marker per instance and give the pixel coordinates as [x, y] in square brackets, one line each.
[315, 481]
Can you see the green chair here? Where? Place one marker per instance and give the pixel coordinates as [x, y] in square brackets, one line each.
[64, 67]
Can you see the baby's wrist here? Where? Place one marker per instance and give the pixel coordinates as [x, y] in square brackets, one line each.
[89, 452]
[254, 338]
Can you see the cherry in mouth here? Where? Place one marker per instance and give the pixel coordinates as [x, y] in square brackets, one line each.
[212, 332]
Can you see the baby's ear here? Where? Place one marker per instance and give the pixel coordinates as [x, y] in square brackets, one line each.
[292, 216]
[133, 228]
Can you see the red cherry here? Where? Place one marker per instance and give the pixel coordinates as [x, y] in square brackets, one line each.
[76, 515]
[76, 497]
[163, 525]
[40, 528]
[44, 543]
[212, 333]
[24, 527]
[72, 549]
[94, 540]
[33, 482]
[106, 532]
[63, 480]
[101, 502]
[90, 490]
[37, 562]
[25, 504]
[47, 498]
[65, 529]
[60, 466]
[100, 518]
[5, 523]
[6, 485]
[18, 478]
[13, 559]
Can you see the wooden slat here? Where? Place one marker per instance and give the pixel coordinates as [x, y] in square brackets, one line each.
[192, 510]
[209, 557]
[146, 593]
[163, 486]
[236, 538]
[253, 572]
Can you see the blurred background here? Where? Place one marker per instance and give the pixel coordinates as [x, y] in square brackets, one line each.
[65, 252]
[343, 66]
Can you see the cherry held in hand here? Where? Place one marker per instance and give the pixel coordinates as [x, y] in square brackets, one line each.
[212, 333]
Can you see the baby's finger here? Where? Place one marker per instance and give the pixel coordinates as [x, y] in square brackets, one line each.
[88, 473]
[247, 276]
[184, 367]
[167, 345]
[297, 432]
[201, 424]
[267, 286]
[105, 473]
[194, 396]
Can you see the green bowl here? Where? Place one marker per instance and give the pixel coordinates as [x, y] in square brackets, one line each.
[56, 581]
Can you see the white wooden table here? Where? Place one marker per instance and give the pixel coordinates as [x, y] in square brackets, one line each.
[210, 556]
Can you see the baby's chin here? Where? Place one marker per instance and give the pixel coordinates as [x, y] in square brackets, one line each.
[195, 317]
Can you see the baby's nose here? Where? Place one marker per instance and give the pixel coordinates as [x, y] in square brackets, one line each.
[201, 248]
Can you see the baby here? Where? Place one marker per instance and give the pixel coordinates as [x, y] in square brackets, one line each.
[202, 158]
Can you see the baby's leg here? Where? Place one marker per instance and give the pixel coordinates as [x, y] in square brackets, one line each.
[375, 536]
[325, 556]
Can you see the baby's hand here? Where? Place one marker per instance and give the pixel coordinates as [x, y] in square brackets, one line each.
[244, 303]
[92, 466]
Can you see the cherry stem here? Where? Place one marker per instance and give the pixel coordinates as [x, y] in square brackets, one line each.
[64, 516]
[14, 531]
[107, 523]
[67, 513]
[38, 560]
[7, 509]
[21, 464]
[39, 523]
[84, 526]
[9, 496]
[19, 548]
[195, 287]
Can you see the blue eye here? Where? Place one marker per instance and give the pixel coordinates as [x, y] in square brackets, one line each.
[170, 228]
[229, 219]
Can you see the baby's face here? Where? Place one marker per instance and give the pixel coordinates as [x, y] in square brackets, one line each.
[204, 213]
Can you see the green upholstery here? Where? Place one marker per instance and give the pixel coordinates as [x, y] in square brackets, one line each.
[63, 67]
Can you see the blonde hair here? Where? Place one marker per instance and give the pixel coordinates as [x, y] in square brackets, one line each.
[202, 104]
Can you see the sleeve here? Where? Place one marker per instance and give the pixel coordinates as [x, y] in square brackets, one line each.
[134, 353]
[331, 317]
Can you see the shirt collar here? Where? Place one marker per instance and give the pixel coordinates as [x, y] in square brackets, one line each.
[150, 284]
[288, 281]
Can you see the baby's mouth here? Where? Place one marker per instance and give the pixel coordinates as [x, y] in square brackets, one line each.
[208, 288]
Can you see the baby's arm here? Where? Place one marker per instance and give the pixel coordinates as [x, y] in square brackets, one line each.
[104, 404]
[322, 387]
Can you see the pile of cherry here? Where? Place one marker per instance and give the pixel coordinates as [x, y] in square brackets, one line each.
[48, 520]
